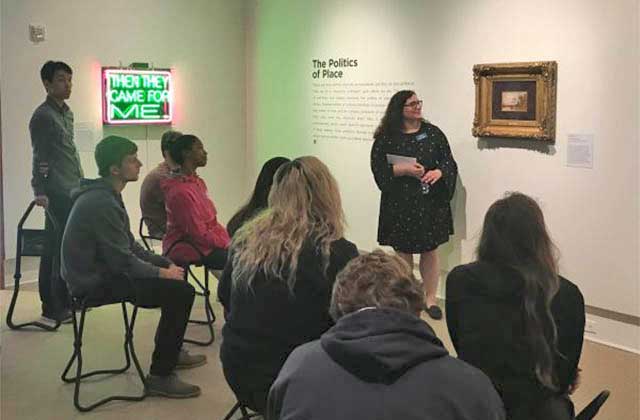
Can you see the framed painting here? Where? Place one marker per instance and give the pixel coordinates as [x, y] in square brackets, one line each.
[516, 100]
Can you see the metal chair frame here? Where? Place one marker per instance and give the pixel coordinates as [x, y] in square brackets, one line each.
[590, 411]
[26, 248]
[129, 352]
[146, 238]
[245, 411]
[204, 291]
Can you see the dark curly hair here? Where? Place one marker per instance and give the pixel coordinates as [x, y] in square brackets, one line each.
[376, 279]
[391, 123]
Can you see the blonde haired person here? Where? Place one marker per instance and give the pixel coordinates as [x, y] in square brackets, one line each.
[380, 360]
[277, 283]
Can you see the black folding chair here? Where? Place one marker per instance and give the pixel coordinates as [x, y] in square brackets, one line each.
[204, 291]
[82, 305]
[590, 411]
[146, 238]
[244, 410]
[30, 243]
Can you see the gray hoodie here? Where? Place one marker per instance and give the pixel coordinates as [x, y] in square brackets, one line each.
[380, 364]
[98, 245]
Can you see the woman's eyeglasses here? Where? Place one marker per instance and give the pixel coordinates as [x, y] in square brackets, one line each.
[415, 104]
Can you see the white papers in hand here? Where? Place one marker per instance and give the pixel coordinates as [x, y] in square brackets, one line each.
[396, 159]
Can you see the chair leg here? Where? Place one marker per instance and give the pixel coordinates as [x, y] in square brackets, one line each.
[132, 349]
[78, 330]
[14, 298]
[246, 415]
[77, 346]
[206, 293]
[208, 309]
[233, 410]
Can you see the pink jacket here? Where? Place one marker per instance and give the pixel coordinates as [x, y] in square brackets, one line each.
[190, 215]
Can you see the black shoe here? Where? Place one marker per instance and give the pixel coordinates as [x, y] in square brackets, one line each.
[434, 312]
[64, 317]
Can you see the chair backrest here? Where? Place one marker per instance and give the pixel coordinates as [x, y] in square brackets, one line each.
[146, 238]
[590, 411]
[31, 242]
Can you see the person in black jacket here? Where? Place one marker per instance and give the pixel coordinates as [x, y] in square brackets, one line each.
[260, 196]
[511, 314]
[276, 286]
[380, 360]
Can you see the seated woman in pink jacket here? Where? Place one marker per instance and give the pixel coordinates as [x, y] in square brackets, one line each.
[191, 215]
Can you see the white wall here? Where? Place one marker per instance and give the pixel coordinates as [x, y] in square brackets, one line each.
[592, 213]
[201, 40]
[638, 130]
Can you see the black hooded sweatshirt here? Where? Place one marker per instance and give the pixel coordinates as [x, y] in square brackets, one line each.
[380, 364]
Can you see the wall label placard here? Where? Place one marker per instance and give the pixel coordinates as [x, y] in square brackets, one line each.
[136, 96]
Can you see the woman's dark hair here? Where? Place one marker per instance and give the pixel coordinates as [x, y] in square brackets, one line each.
[514, 235]
[258, 200]
[180, 145]
[391, 122]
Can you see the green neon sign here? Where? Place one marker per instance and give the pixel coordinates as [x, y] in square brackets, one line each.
[136, 96]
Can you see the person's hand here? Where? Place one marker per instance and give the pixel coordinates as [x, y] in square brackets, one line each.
[431, 177]
[408, 169]
[172, 273]
[42, 201]
[576, 383]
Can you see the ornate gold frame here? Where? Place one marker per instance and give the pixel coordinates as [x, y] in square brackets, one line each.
[544, 74]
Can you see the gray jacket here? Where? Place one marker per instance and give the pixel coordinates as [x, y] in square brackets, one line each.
[51, 128]
[98, 245]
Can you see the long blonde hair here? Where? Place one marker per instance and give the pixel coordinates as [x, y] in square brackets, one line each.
[304, 205]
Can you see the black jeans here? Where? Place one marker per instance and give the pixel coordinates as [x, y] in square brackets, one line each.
[53, 290]
[173, 297]
[216, 260]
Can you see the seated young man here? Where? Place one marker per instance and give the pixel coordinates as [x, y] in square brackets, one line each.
[151, 195]
[191, 214]
[380, 360]
[101, 258]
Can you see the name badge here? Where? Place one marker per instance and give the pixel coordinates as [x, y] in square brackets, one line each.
[421, 136]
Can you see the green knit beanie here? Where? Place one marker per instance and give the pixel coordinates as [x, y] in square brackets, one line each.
[110, 151]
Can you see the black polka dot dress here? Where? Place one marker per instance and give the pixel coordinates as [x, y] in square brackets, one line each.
[411, 221]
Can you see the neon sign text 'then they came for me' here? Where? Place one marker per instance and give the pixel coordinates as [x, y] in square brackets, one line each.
[136, 96]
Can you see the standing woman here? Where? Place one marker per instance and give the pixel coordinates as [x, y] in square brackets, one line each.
[415, 215]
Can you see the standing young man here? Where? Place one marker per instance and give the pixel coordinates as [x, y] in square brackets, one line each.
[100, 257]
[56, 171]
